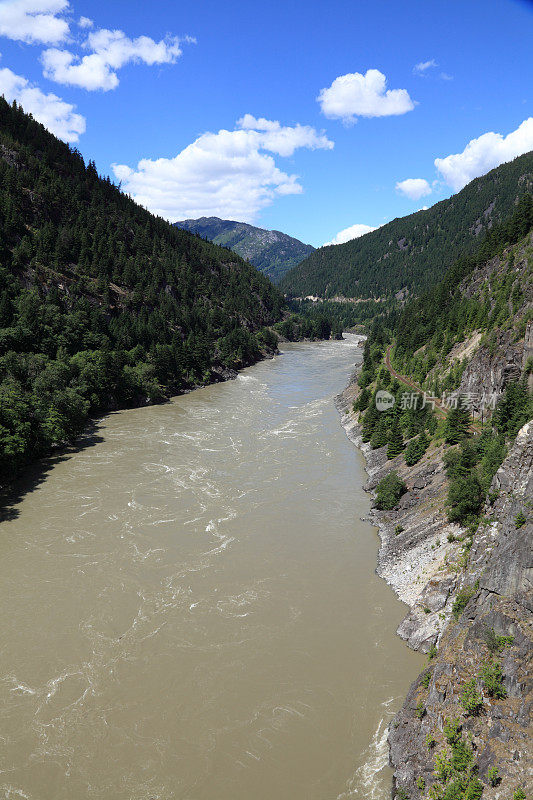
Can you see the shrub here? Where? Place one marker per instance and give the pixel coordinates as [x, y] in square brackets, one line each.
[462, 598]
[465, 498]
[426, 679]
[519, 794]
[398, 529]
[494, 776]
[420, 710]
[452, 730]
[492, 679]
[389, 491]
[520, 520]
[432, 652]
[401, 794]
[496, 643]
[471, 699]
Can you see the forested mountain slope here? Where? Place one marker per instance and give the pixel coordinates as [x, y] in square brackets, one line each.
[103, 305]
[272, 252]
[414, 252]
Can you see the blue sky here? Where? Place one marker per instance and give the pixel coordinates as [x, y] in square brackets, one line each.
[152, 111]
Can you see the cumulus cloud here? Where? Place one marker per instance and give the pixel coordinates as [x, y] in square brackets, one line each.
[422, 67]
[355, 94]
[59, 117]
[227, 174]
[85, 22]
[414, 188]
[284, 140]
[110, 50]
[353, 232]
[34, 21]
[484, 153]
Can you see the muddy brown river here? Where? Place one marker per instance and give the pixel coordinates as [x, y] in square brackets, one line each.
[190, 609]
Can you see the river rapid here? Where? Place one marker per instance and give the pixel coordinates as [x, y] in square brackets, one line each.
[190, 608]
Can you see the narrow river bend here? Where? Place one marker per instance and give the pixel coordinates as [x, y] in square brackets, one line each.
[190, 609]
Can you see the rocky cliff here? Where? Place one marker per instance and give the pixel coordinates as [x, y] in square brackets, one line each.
[423, 559]
[494, 627]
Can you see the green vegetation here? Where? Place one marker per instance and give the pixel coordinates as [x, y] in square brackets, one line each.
[471, 699]
[455, 769]
[103, 305]
[272, 252]
[432, 652]
[493, 776]
[445, 315]
[296, 327]
[514, 409]
[496, 643]
[395, 439]
[413, 252]
[520, 520]
[389, 491]
[519, 794]
[398, 529]
[461, 599]
[470, 469]
[457, 424]
[492, 679]
[416, 449]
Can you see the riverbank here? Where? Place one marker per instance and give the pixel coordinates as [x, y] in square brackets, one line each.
[463, 613]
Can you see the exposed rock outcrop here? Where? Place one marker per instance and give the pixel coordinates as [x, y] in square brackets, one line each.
[420, 558]
[500, 576]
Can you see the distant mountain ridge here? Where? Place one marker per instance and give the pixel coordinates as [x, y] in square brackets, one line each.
[414, 252]
[272, 252]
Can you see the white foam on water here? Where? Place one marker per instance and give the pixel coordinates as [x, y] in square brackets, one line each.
[367, 782]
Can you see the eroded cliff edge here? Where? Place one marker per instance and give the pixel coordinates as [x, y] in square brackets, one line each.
[464, 616]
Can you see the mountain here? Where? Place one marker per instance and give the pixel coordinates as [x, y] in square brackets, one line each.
[453, 489]
[272, 252]
[102, 304]
[413, 252]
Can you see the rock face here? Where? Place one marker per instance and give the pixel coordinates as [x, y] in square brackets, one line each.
[421, 559]
[501, 579]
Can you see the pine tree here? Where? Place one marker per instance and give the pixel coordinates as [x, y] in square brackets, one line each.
[396, 444]
[380, 435]
[457, 423]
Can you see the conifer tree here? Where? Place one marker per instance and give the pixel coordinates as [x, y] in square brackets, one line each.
[457, 423]
[396, 443]
[380, 435]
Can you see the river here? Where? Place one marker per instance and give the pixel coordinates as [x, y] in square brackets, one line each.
[190, 608]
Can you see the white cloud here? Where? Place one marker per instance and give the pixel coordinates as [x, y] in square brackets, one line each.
[34, 21]
[366, 95]
[484, 153]
[85, 22]
[353, 232]
[226, 174]
[111, 50]
[415, 188]
[59, 117]
[423, 66]
[284, 140]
